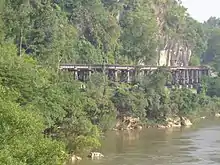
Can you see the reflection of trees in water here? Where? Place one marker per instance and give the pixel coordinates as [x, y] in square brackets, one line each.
[150, 138]
[126, 138]
[166, 135]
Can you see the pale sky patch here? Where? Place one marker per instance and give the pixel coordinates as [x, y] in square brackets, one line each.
[201, 10]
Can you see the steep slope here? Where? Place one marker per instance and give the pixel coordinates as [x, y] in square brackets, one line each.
[170, 29]
[153, 32]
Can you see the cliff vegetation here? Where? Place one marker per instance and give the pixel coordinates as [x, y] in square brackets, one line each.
[45, 114]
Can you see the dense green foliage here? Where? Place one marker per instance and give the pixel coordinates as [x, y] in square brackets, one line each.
[22, 141]
[59, 102]
[153, 103]
[212, 55]
[56, 31]
[45, 114]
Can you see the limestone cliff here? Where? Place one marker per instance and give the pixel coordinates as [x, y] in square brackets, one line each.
[173, 48]
[175, 55]
[173, 51]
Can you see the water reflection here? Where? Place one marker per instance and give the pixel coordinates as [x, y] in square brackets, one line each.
[190, 146]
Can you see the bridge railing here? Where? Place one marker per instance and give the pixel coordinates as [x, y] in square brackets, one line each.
[115, 66]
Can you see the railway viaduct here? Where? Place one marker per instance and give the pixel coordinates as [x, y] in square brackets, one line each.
[190, 75]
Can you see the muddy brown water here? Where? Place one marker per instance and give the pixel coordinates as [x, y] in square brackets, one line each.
[197, 145]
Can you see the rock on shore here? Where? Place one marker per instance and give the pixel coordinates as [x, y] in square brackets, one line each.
[128, 123]
[185, 122]
[176, 122]
[95, 155]
[217, 115]
[73, 160]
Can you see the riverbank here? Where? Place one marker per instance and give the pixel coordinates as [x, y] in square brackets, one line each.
[186, 145]
[132, 131]
[130, 123]
[149, 106]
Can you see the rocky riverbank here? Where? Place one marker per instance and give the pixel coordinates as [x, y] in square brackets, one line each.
[131, 123]
[73, 159]
[128, 123]
[175, 122]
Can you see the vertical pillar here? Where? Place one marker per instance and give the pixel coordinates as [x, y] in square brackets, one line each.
[183, 77]
[110, 75]
[76, 75]
[173, 77]
[90, 73]
[123, 76]
[134, 75]
[80, 75]
[141, 75]
[199, 76]
[203, 72]
[115, 75]
[128, 76]
[187, 76]
[84, 75]
[179, 77]
[176, 77]
[191, 77]
[144, 72]
[207, 72]
[196, 76]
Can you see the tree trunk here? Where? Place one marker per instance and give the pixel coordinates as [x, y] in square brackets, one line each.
[20, 42]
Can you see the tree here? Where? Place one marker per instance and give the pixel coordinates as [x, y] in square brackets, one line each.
[139, 33]
[212, 54]
[22, 141]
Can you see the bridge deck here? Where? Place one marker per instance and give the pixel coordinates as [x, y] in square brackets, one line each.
[127, 67]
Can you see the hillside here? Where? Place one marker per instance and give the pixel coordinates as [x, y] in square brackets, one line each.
[125, 31]
[46, 115]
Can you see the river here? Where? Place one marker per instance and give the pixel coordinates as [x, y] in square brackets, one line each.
[198, 145]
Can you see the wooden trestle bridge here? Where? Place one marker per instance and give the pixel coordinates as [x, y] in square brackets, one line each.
[190, 75]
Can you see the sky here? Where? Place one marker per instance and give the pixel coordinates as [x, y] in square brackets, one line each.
[201, 10]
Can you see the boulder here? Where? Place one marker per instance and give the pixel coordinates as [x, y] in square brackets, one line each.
[161, 126]
[128, 123]
[176, 122]
[73, 159]
[173, 122]
[95, 155]
[217, 115]
[173, 125]
[185, 121]
[139, 127]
